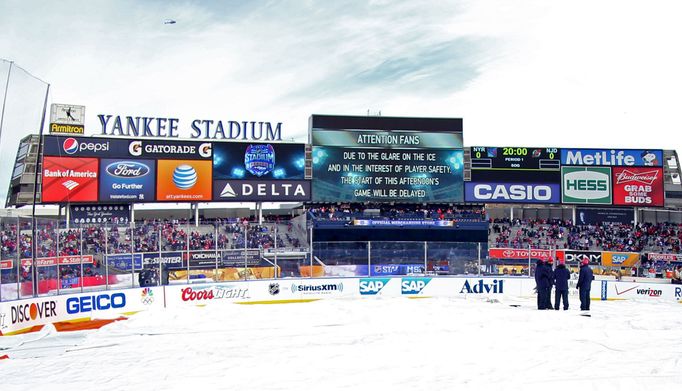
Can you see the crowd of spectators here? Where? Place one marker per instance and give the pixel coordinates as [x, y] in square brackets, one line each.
[350, 211]
[562, 234]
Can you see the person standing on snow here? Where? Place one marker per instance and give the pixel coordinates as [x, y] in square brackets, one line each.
[561, 277]
[584, 284]
[549, 281]
[540, 284]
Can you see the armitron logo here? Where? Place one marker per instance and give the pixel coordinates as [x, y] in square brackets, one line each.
[497, 286]
[28, 312]
[646, 178]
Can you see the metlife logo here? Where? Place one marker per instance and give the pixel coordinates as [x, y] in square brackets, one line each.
[512, 193]
[611, 157]
[586, 185]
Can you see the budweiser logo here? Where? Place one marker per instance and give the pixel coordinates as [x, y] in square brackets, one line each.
[646, 178]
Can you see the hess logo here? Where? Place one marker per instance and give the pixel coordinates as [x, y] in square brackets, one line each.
[372, 286]
[184, 177]
[127, 169]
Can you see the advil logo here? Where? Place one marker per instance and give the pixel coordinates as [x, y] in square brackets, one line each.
[413, 286]
[372, 286]
[497, 286]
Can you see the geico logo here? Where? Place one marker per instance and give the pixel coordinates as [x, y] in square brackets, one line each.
[412, 286]
[497, 286]
[27, 312]
[372, 287]
[513, 192]
[104, 301]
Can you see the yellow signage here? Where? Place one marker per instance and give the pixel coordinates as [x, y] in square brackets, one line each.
[67, 129]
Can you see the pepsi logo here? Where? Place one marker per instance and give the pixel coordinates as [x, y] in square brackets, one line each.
[127, 169]
[184, 177]
[70, 145]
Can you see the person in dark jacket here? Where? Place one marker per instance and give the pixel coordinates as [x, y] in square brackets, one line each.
[542, 283]
[549, 281]
[561, 277]
[584, 284]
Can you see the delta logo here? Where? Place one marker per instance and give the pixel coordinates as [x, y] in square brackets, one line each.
[413, 285]
[184, 180]
[372, 286]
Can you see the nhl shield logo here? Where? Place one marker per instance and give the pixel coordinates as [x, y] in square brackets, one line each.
[274, 288]
[259, 159]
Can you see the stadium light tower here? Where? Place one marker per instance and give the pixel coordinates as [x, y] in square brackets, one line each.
[34, 242]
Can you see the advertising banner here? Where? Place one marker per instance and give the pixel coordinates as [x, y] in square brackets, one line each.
[534, 193]
[258, 161]
[654, 257]
[587, 216]
[621, 290]
[6, 264]
[261, 190]
[67, 179]
[127, 180]
[184, 180]
[62, 260]
[612, 157]
[637, 186]
[400, 223]
[577, 256]
[124, 261]
[100, 214]
[586, 185]
[616, 259]
[169, 149]
[169, 259]
[84, 147]
[513, 253]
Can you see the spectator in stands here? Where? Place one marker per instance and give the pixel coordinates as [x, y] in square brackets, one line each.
[561, 277]
[585, 284]
[677, 275]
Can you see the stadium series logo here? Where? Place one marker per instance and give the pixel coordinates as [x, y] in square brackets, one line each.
[259, 159]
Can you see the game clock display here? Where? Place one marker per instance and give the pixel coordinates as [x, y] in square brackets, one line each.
[515, 158]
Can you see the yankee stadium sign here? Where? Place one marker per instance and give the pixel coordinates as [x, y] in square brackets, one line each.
[129, 126]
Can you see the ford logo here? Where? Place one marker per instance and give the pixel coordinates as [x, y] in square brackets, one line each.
[127, 169]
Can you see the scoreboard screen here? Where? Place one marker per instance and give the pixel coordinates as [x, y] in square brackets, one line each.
[515, 158]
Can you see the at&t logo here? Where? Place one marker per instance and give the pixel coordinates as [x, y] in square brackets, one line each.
[184, 177]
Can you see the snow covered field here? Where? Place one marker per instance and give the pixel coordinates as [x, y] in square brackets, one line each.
[372, 344]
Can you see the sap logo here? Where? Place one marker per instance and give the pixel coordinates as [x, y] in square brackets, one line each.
[413, 286]
[678, 293]
[372, 286]
[497, 286]
[513, 192]
[617, 259]
[104, 301]
[27, 312]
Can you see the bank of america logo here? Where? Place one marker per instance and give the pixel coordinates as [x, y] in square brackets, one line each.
[228, 191]
[184, 177]
[70, 184]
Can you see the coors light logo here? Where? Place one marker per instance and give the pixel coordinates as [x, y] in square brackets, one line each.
[646, 178]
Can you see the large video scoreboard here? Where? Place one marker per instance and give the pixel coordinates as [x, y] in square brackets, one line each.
[386, 159]
[515, 158]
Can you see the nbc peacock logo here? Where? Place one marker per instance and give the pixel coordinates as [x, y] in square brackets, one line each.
[147, 296]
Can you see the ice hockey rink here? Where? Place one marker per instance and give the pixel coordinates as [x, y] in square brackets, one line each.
[361, 344]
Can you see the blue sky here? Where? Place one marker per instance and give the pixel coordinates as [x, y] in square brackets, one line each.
[528, 73]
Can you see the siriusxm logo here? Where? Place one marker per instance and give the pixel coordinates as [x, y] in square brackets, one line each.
[322, 288]
[184, 177]
[71, 146]
[372, 286]
[413, 286]
[127, 169]
[497, 286]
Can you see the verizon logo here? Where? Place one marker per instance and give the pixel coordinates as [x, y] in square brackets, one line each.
[646, 178]
[70, 184]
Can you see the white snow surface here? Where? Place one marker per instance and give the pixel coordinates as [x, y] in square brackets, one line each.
[370, 344]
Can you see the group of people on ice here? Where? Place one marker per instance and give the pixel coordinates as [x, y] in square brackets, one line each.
[545, 278]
